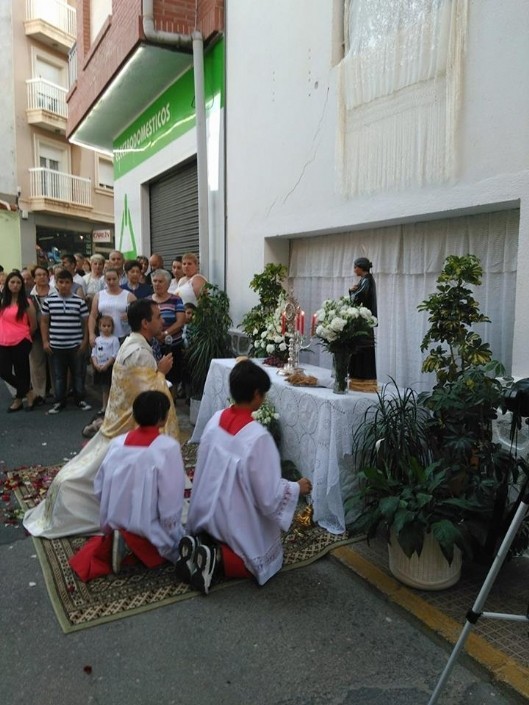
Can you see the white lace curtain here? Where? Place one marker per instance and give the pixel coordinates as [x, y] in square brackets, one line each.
[398, 94]
[406, 262]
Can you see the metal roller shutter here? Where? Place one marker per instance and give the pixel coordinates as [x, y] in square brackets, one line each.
[174, 212]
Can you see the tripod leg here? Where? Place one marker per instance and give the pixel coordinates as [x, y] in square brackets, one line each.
[474, 614]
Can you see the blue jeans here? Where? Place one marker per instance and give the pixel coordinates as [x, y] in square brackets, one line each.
[62, 361]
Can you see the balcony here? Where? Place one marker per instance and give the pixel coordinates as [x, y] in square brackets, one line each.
[52, 22]
[47, 106]
[72, 66]
[57, 192]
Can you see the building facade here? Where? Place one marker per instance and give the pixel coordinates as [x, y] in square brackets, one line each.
[319, 132]
[150, 91]
[391, 130]
[59, 194]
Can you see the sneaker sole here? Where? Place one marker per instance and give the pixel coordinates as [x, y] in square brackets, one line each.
[202, 577]
[185, 565]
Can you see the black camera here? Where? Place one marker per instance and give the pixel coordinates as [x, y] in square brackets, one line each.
[516, 399]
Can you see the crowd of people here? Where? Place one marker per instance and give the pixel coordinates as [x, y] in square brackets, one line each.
[128, 485]
[57, 322]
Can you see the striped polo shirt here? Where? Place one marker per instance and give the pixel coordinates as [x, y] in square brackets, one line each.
[65, 320]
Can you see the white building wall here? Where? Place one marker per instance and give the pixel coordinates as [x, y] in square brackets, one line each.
[282, 127]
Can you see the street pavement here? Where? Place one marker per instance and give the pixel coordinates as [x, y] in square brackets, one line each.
[310, 636]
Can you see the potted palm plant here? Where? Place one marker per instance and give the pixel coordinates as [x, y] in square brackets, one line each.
[208, 339]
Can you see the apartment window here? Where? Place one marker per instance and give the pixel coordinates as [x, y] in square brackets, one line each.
[105, 174]
[53, 162]
[49, 83]
[99, 11]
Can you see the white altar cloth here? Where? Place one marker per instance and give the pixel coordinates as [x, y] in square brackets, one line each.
[316, 432]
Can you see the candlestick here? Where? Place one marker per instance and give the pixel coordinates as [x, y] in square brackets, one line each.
[283, 323]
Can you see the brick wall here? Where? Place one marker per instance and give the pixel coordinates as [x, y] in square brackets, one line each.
[120, 35]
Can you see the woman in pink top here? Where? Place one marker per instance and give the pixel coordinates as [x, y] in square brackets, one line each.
[18, 321]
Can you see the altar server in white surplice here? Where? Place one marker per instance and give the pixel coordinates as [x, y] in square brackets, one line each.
[239, 498]
[140, 487]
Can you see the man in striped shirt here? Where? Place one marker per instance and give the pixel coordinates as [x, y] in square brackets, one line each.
[64, 328]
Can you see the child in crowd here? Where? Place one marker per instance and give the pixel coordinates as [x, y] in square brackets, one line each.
[103, 356]
[239, 503]
[184, 390]
[189, 311]
[140, 486]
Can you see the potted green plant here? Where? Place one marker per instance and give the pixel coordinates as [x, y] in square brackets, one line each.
[427, 465]
[405, 493]
[208, 338]
[465, 400]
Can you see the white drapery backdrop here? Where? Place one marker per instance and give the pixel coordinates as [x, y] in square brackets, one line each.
[399, 90]
[407, 260]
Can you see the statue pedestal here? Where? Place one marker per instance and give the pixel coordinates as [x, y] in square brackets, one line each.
[363, 385]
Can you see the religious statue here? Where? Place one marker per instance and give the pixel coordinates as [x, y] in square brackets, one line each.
[362, 367]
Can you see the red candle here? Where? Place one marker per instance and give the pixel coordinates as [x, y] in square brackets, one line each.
[314, 323]
[302, 323]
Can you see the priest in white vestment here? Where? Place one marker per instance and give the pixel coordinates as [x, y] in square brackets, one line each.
[71, 506]
[239, 497]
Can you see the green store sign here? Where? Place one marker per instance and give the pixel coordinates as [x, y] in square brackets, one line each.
[170, 116]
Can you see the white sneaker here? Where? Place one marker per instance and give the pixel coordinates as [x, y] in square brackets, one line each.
[185, 566]
[207, 567]
[56, 408]
[83, 406]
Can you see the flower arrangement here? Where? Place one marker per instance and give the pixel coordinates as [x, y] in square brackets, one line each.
[338, 323]
[272, 342]
[266, 414]
[259, 323]
[268, 417]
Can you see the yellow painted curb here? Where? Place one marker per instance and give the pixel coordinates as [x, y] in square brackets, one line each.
[503, 668]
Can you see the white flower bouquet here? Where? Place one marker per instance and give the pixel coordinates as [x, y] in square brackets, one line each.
[272, 341]
[268, 417]
[266, 414]
[339, 323]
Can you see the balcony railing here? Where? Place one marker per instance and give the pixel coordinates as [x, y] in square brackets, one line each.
[44, 95]
[72, 65]
[59, 186]
[55, 12]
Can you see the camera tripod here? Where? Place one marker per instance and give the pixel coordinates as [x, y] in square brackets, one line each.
[474, 614]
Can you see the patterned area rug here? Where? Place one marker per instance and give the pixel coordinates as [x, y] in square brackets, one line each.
[136, 589]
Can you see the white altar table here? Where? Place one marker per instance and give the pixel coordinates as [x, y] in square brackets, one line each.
[316, 431]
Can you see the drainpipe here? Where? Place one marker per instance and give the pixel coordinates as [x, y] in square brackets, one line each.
[186, 42]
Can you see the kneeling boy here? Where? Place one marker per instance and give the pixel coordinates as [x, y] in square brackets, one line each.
[140, 486]
[239, 497]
